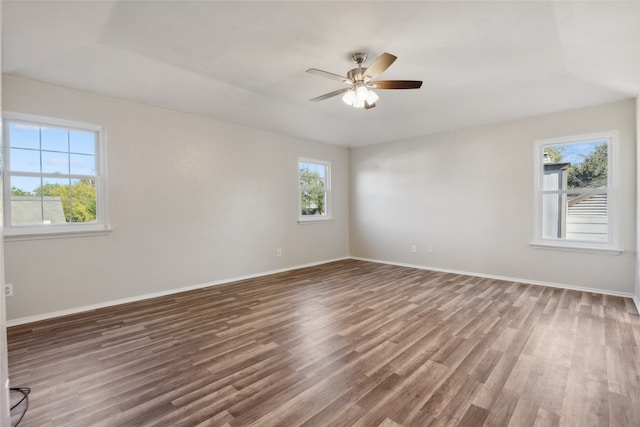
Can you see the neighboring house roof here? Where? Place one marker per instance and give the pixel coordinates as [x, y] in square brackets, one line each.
[36, 210]
[556, 166]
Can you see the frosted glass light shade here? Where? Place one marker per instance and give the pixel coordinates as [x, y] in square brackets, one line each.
[362, 92]
[372, 97]
[349, 97]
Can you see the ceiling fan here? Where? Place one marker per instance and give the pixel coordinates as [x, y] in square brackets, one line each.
[361, 81]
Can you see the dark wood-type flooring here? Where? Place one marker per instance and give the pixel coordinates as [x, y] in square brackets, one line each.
[344, 343]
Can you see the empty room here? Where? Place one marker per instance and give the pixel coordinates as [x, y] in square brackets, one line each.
[347, 213]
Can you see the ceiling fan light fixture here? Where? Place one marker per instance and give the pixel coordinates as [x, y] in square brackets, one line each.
[358, 103]
[361, 91]
[372, 97]
[349, 97]
[360, 81]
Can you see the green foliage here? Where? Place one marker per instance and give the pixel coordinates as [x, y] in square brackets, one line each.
[19, 192]
[313, 193]
[78, 200]
[555, 153]
[592, 171]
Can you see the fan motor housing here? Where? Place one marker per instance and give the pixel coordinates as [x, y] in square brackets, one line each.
[357, 74]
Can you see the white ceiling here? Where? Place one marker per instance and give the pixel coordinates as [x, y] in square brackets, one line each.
[245, 62]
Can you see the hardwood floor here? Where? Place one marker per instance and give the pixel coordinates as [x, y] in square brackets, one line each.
[345, 343]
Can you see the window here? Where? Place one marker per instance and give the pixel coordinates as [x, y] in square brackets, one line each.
[314, 178]
[54, 172]
[576, 193]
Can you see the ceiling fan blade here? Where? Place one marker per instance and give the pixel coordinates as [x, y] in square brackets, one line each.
[378, 66]
[331, 94]
[368, 106]
[329, 75]
[396, 84]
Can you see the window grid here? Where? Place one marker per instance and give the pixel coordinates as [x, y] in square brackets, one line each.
[576, 193]
[65, 181]
[314, 189]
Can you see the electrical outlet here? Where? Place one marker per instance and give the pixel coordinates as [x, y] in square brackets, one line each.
[413, 248]
[8, 289]
[278, 252]
[429, 249]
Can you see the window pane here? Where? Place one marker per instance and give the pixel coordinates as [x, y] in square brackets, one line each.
[320, 171]
[579, 165]
[313, 203]
[83, 202]
[55, 139]
[575, 216]
[554, 215]
[24, 136]
[82, 164]
[587, 217]
[26, 210]
[53, 162]
[24, 160]
[320, 176]
[58, 187]
[53, 210]
[312, 176]
[82, 142]
[305, 203]
[24, 186]
[33, 204]
[56, 199]
[322, 203]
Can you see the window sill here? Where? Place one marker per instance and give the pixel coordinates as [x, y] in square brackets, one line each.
[320, 220]
[568, 247]
[13, 236]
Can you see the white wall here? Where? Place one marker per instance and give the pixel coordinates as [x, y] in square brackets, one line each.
[191, 200]
[637, 291]
[194, 200]
[4, 372]
[468, 195]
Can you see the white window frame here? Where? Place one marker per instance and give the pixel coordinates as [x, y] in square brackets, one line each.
[315, 219]
[612, 245]
[100, 225]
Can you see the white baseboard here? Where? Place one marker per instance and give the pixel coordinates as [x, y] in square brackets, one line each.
[508, 279]
[636, 299]
[75, 310]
